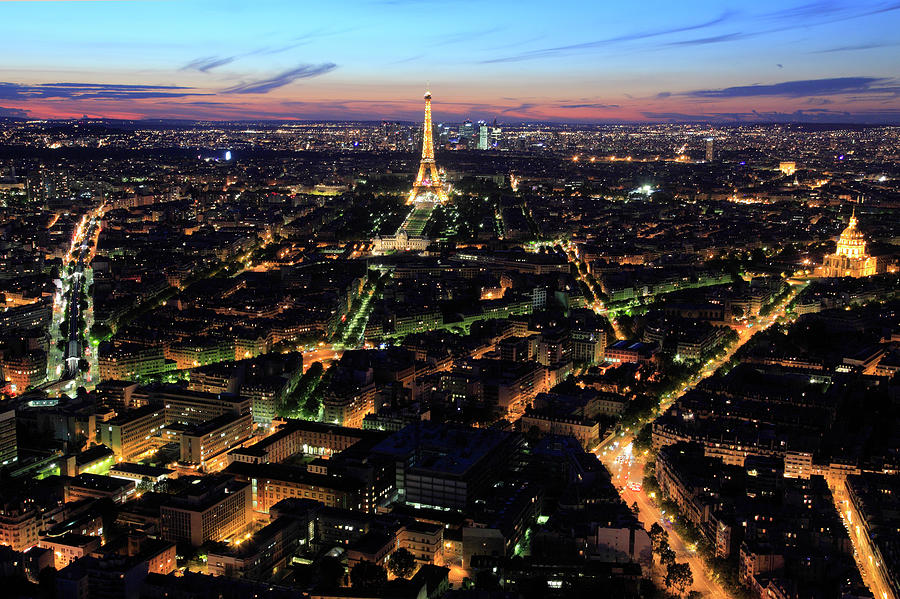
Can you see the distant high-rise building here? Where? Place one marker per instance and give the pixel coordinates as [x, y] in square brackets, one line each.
[483, 142]
[8, 443]
[443, 134]
[495, 135]
[54, 184]
[466, 130]
[710, 150]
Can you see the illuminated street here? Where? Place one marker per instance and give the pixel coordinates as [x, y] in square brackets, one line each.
[324, 354]
[627, 467]
[77, 277]
[871, 569]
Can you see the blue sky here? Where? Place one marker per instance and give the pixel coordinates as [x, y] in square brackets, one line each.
[560, 60]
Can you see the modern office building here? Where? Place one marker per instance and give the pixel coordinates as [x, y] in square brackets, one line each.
[270, 483]
[301, 436]
[209, 509]
[483, 136]
[129, 434]
[196, 407]
[446, 466]
[125, 362]
[206, 445]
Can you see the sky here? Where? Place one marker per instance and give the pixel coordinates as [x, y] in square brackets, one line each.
[579, 61]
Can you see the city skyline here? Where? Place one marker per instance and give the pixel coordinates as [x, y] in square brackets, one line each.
[409, 299]
[801, 62]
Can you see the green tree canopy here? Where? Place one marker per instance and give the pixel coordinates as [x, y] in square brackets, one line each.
[402, 563]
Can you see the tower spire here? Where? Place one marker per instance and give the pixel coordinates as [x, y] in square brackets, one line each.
[428, 185]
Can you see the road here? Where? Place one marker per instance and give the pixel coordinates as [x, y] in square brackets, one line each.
[870, 568]
[323, 354]
[79, 256]
[627, 470]
[627, 467]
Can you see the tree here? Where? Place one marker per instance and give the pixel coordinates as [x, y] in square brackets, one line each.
[486, 580]
[635, 509]
[644, 438]
[331, 571]
[533, 435]
[47, 581]
[100, 331]
[667, 556]
[679, 577]
[294, 404]
[367, 575]
[659, 538]
[402, 563]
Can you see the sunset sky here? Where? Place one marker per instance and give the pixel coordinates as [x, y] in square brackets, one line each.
[553, 60]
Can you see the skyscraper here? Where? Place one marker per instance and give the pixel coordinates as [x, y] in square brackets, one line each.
[495, 135]
[466, 130]
[710, 150]
[483, 143]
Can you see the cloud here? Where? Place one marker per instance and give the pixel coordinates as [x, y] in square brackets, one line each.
[810, 10]
[588, 105]
[629, 37]
[15, 113]
[408, 59]
[851, 48]
[809, 115]
[82, 91]
[806, 87]
[207, 64]
[465, 36]
[809, 14]
[828, 11]
[715, 39]
[263, 86]
[524, 107]
[295, 42]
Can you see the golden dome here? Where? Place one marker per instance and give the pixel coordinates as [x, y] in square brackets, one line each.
[851, 242]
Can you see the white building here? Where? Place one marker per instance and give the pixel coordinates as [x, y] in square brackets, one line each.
[400, 242]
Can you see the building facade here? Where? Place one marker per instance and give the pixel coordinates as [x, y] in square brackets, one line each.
[850, 258]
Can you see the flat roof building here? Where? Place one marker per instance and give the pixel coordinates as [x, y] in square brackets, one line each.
[209, 509]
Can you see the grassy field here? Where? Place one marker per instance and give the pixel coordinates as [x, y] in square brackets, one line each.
[418, 218]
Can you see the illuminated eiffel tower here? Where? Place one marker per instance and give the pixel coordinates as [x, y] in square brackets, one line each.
[428, 185]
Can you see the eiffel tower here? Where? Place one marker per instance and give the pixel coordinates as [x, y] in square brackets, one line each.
[428, 185]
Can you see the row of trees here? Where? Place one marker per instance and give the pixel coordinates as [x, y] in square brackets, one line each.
[368, 576]
[302, 402]
[678, 575]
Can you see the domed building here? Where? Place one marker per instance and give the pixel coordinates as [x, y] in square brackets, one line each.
[850, 259]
